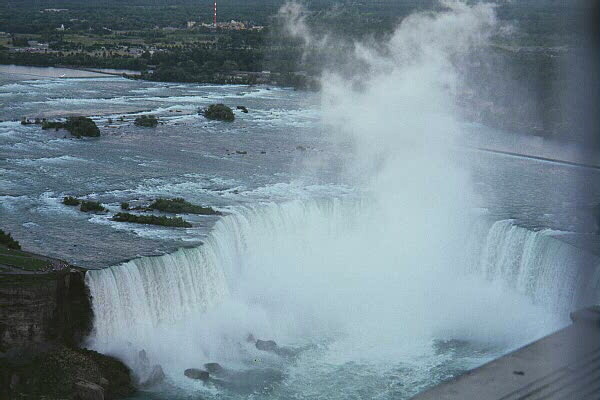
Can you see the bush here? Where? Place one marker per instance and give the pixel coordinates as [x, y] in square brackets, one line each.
[94, 206]
[180, 206]
[124, 206]
[148, 121]
[218, 112]
[7, 240]
[82, 126]
[52, 125]
[151, 220]
[71, 201]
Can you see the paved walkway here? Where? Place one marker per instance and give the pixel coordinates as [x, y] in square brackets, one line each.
[564, 365]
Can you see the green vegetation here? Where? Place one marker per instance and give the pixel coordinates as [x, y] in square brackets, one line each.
[86, 205]
[180, 206]
[149, 121]
[22, 259]
[124, 205]
[92, 206]
[218, 112]
[82, 126]
[7, 240]
[71, 201]
[77, 126]
[52, 125]
[152, 220]
[26, 263]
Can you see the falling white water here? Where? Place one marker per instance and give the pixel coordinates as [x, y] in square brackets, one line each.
[303, 272]
[535, 263]
[133, 298]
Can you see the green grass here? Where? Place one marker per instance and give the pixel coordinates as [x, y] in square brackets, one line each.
[7, 240]
[27, 263]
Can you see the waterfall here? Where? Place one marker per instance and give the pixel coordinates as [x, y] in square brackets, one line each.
[132, 298]
[313, 269]
[537, 264]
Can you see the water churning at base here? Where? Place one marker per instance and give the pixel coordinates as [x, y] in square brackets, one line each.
[291, 270]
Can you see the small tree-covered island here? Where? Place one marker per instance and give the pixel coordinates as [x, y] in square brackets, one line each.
[147, 121]
[219, 112]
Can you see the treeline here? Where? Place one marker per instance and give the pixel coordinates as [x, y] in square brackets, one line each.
[75, 59]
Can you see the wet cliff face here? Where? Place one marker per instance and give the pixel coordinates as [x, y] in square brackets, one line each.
[43, 319]
[37, 308]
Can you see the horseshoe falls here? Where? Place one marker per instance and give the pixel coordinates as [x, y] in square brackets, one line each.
[323, 276]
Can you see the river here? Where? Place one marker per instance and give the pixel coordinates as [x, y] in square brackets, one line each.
[378, 293]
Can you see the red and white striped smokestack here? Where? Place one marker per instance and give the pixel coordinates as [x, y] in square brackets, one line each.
[215, 16]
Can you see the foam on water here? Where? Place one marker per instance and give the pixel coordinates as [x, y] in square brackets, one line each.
[315, 272]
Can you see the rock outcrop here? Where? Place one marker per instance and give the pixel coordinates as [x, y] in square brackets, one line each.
[194, 373]
[43, 319]
[56, 371]
[36, 308]
[147, 374]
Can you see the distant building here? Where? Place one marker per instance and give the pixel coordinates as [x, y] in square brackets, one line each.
[61, 27]
[232, 25]
[33, 46]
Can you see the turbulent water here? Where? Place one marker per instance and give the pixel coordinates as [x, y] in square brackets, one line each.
[284, 271]
[360, 229]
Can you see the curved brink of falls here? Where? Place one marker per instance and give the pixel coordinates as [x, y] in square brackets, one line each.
[294, 270]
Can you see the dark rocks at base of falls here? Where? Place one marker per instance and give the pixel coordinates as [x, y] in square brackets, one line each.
[147, 374]
[53, 370]
[194, 373]
[214, 368]
[272, 347]
[266, 345]
[43, 319]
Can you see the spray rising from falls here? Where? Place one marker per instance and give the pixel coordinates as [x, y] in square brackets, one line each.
[376, 280]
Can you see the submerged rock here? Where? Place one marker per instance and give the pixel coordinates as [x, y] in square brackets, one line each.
[266, 345]
[272, 347]
[194, 373]
[148, 375]
[213, 368]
